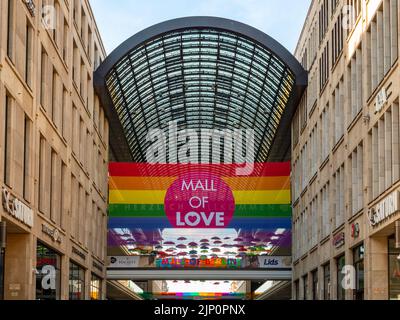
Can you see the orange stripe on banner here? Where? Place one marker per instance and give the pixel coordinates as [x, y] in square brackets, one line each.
[235, 183]
[272, 169]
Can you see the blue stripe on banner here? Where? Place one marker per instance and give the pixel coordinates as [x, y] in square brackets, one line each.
[162, 223]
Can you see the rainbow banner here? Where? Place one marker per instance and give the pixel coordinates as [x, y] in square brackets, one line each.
[150, 196]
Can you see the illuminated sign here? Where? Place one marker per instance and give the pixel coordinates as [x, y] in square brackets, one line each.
[339, 240]
[124, 262]
[199, 263]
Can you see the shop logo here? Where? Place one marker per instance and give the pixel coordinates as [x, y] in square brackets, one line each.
[199, 200]
[339, 240]
[384, 209]
[17, 208]
[52, 233]
[187, 146]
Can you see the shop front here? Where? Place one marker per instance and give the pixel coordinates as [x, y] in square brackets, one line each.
[48, 273]
[384, 248]
[394, 269]
[16, 243]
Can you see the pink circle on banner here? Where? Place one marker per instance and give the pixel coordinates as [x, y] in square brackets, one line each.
[199, 200]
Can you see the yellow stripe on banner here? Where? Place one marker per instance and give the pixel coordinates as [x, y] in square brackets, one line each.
[262, 197]
[157, 197]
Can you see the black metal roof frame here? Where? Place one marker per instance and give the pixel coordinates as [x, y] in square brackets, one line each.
[232, 63]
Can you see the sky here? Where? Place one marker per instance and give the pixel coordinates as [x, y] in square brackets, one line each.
[120, 19]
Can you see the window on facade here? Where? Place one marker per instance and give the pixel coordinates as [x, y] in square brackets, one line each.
[384, 144]
[394, 269]
[95, 288]
[7, 139]
[305, 287]
[327, 281]
[315, 285]
[324, 67]
[10, 28]
[338, 194]
[382, 39]
[296, 290]
[74, 207]
[43, 79]
[27, 158]
[354, 11]
[75, 131]
[337, 39]
[314, 156]
[76, 282]
[338, 112]
[48, 270]
[355, 85]
[325, 222]
[65, 41]
[325, 147]
[295, 129]
[55, 106]
[314, 221]
[340, 290]
[63, 203]
[55, 188]
[75, 64]
[44, 176]
[356, 177]
[28, 54]
[323, 20]
[358, 260]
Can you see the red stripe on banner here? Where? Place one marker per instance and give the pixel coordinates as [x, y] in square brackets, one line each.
[268, 169]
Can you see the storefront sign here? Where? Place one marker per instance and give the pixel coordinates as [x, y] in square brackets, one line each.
[17, 208]
[124, 262]
[275, 262]
[97, 266]
[199, 263]
[355, 230]
[31, 7]
[79, 253]
[52, 233]
[384, 209]
[339, 240]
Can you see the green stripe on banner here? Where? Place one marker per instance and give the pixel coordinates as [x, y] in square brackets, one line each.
[143, 210]
[263, 210]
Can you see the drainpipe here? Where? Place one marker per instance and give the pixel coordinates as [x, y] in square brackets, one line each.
[3, 234]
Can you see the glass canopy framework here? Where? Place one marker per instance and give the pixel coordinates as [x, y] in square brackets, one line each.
[201, 73]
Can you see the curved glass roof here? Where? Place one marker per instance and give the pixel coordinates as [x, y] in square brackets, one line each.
[200, 76]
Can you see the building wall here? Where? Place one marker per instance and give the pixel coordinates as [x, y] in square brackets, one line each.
[53, 140]
[345, 153]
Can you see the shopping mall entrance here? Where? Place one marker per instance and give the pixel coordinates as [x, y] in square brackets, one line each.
[199, 184]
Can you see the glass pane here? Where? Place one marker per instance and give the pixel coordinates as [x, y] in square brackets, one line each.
[48, 264]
